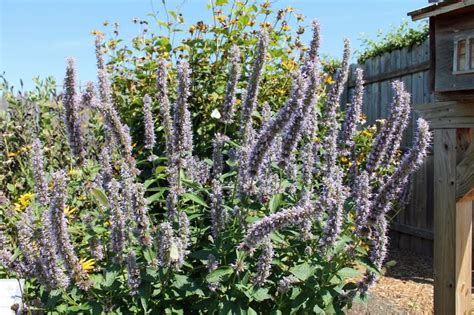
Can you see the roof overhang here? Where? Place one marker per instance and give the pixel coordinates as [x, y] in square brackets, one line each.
[439, 8]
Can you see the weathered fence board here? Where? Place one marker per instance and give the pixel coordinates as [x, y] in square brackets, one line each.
[412, 227]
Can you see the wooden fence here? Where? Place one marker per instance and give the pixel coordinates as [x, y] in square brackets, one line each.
[412, 227]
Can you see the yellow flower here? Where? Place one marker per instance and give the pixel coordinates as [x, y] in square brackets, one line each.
[289, 64]
[290, 9]
[23, 202]
[220, 18]
[12, 154]
[87, 264]
[97, 33]
[328, 80]
[68, 211]
[344, 160]
[72, 172]
[265, 25]
[286, 27]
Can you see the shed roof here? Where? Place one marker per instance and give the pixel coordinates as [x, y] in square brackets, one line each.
[440, 8]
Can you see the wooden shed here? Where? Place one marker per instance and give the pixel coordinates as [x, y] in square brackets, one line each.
[451, 116]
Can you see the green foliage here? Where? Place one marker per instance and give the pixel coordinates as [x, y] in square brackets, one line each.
[397, 38]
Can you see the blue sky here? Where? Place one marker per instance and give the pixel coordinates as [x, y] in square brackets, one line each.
[37, 35]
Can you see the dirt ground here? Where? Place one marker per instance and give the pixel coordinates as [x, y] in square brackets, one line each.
[406, 288]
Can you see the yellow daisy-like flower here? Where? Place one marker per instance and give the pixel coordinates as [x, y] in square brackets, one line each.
[329, 80]
[97, 33]
[68, 211]
[285, 27]
[220, 18]
[288, 64]
[344, 160]
[72, 172]
[23, 201]
[87, 264]
[12, 154]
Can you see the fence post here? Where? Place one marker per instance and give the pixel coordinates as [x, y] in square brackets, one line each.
[452, 229]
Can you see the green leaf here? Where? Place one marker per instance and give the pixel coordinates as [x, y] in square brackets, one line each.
[221, 2]
[347, 272]
[219, 274]
[261, 294]
[275, 202]
[303, 271]
[100, 196]
[196, 199]
[110, 277]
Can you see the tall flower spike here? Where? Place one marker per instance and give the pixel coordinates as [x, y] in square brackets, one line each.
[164, 103]
[410, 162]
[250, 100]
[104, 84]
[330, 118]
[260, 230]
[64, 245]
[117, 221]
[218, 213]
[301, 119]
[353, 113]
[333, 197]
[148, 123]
[362, 201]
[72, 114]
[184, 235]
[217, 158]
[228, 106]
[133, 273]
[49, 259]
[37, 166]
[182, 128]
[390, 132]
[274, 127]
[28, 246]
[168, 247]
[264, 265]
[142, 222]
[313, 53]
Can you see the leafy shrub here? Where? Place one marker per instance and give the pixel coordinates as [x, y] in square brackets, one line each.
[400, 37]
[280, 207]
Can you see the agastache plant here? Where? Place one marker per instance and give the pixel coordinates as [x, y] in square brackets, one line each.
[269, 209]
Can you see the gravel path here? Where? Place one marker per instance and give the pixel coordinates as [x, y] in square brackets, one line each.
[406, 288]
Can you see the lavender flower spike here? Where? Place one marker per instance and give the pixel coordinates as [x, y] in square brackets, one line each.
[104, 85]
[164, 103]
[148, 122]
[37, 165]
[228, 106]
[182, 128]
[331, 123]
[362, 200]
[250, 101]
[391, 131]
[117, 221]
[272, 129]
[133, 273]
[260, 230]
[410, 162]
[264, 264]
[63, 242]
[353, 112]
[72, 114]
[303, 116]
